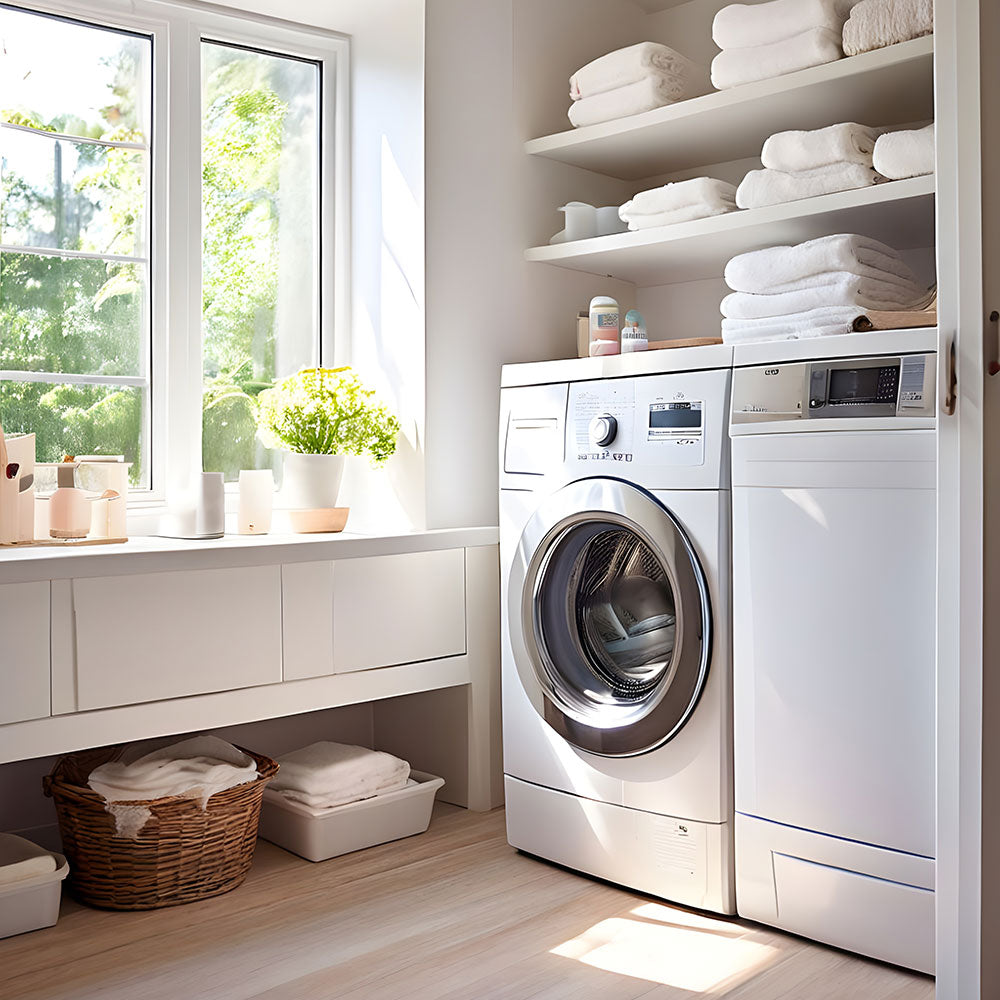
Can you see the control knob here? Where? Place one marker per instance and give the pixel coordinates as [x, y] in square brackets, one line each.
[603, 430]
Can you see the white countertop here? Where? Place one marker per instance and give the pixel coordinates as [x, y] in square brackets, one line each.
[144, 554]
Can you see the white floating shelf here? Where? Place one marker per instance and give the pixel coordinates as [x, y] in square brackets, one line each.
[899, 213]
[889, 86]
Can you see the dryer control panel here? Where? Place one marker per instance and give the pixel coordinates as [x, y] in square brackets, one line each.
[892, 388]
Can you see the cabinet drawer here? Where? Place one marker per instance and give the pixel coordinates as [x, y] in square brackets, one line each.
[24, 660]
[166, 635]
[398, 609]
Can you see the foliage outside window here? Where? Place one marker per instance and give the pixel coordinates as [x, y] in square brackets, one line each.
[74, 259]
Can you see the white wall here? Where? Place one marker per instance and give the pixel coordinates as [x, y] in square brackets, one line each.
[486, 91]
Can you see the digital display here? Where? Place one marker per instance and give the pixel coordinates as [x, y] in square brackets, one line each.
[674, 416]
[854, 385]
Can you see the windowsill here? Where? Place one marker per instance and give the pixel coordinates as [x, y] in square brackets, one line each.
[149, 553]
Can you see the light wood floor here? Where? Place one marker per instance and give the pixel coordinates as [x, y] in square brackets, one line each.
[454, 914]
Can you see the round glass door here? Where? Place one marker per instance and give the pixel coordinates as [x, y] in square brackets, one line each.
[615, 617]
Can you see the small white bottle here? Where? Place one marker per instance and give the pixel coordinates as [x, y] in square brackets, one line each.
[604, 323]
[634, 333]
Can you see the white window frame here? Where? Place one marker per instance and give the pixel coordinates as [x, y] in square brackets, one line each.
[177, 28]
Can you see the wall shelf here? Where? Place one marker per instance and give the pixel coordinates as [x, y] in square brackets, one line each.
[890, 86]
[900, 213]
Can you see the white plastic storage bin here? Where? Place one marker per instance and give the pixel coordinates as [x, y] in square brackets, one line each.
[28, 904]
[350, 827]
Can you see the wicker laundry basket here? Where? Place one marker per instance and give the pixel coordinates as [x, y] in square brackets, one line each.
[181, 854]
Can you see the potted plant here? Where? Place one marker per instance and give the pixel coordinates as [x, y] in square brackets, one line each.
[318, 417]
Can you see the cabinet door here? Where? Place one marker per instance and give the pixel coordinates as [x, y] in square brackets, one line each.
[24, 651]
[154, 636]
[398, 609]
[307, 619]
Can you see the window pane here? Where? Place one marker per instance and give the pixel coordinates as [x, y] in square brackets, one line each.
[70, 315]
[260, 189]
[78, 420]
[72, 196]
[72, 78]
[63, 315]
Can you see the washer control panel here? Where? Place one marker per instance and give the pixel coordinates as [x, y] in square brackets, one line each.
[654, 421]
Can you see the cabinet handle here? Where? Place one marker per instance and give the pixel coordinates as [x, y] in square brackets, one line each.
[994, 366]
[951, 389]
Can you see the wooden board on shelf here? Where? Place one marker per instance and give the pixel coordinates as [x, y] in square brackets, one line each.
[890, 86]
[900, 213]
[62, 543]
[668, 345]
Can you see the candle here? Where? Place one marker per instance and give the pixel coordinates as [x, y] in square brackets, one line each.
[256, 501]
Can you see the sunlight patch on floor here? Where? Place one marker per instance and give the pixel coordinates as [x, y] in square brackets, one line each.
[695, 958]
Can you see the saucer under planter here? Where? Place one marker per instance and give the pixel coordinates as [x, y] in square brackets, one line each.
[311, 482]
[305, 522]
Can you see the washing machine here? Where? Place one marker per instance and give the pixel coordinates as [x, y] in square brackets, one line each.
[614, 544]
[834, 522]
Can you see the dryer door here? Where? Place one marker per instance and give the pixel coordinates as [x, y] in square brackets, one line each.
[609, 618]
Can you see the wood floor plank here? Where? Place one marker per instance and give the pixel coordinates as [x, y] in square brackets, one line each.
[454, 914]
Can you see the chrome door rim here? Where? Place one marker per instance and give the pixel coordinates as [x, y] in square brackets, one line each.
[611, 729]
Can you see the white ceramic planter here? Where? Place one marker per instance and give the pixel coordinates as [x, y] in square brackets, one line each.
[311, 482]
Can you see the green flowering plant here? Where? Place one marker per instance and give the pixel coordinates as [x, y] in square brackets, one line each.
[326, 411]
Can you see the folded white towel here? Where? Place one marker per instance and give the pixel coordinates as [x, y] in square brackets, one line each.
[909, 153]
[823, 322]
[654, 91]
[327, 774]
[734, 67]
[788, 268]
[632, 64]
[844, 143]
[193, 769]
[687, 214]
[742, 25]
[841, 290]
[761, 188]
[679, 194]
[681, 201]
[873, 24]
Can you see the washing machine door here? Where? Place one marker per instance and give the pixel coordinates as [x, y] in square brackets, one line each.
[609, 618]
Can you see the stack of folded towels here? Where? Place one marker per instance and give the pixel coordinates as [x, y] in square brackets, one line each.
[764, 40]
[323, 775]
[806, 164]
[682, 201]
[873, 24]
[815, 289]
[632, 80]
[908, 153]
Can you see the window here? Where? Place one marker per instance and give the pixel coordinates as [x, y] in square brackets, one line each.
[74, 252]
[172, 228]
[260, 271]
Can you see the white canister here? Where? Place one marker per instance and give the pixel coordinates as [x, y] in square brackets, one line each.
[256, 501]
[604, 324]
[210, 509]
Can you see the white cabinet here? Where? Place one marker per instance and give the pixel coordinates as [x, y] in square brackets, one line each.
[398, 609]
[24, 651]
[154, 636]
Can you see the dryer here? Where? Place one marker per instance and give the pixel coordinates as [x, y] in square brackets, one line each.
[834, 492]
[614, 543]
